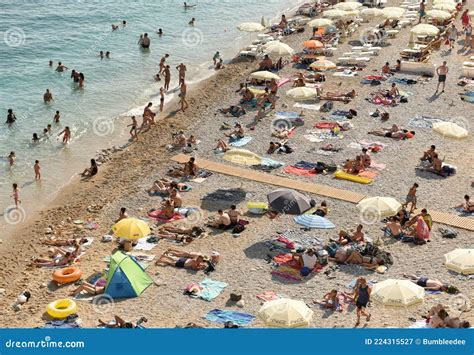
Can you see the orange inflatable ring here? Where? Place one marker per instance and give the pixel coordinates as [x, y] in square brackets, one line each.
[67, 275]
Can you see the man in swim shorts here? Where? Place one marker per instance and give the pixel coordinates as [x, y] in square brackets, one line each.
[442, 71]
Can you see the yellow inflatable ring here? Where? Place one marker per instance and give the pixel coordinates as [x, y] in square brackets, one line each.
[61, 308]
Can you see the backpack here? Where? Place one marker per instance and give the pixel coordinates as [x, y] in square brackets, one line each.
[238, 229]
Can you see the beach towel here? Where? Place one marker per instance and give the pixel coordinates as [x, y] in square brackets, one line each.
[402, 81]
[346, 73]
[157, 216]
[143, 244]
[299, 171]
[268, 296]
[210, 289]
[368, 174]
[287, 115]
[421, 324]
[326, 125]
[222, 316]
[352, 284]
[68, 323]
[287, 273]
[313, 107]
[283, 258]
[240, 142]
[313, 138]
[420, 121]
[283, 82]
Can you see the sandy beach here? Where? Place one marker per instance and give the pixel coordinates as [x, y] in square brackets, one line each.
[122, 182]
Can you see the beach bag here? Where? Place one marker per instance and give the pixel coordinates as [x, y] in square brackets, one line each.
[403, 99]
[448, 170]
[327, 106]
[305, 271]
[448, 233]
[238, 229]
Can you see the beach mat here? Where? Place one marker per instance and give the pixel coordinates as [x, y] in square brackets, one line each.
[222, 316]
[241, 142]
[298, 171]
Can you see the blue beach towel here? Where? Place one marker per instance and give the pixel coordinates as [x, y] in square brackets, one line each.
[240, 142]
[210, 289]
[270, 163]
[288, 115]
[222, 316]
[305, 165]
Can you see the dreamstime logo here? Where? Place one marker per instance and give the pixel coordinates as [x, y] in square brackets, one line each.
[460, 303]
[14, 215]
[369, 215]
[102, 126]
[280, 124]
[194, 216]
[192, 37]
[372, 36]
[103, 303]
[14, 37]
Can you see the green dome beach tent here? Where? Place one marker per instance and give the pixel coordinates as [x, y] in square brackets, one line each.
[126, 278]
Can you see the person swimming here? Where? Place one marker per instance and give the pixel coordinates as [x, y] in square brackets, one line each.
[187, 6]
[192, 22]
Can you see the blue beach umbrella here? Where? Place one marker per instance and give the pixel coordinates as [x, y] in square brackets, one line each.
[314, 221]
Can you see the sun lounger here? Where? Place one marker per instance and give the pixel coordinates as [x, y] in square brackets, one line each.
[468, 64]
[468, 72]
[418, 68]
[392, 33]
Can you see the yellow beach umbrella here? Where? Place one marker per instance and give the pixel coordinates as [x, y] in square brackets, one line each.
[369, 13]
[322, 64]
[424, 29]
[397, 293]
[393, 13]
[250, 27]
[278, 49]
[460, 260]
[438, 14]
[445, 6]
[285, 313]
[264, 75]
[320, 22]
[348, 6]
[450, 129]
[334, 14]
[131, 228]
[379, 206]
[301, 93]
[242, 157]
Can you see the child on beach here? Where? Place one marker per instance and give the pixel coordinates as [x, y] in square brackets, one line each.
[11, 158]
[411, 198]
[16, 195]
[56, 117]
[37, 169]
[66, 135]
[133, 130]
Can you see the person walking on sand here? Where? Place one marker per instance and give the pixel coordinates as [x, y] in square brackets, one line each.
[182, 97]
[16, 194]
[442, 72]
[452, 35]
[422, 11]
[411, 198]
[66, 132]
[37, 169]
[162, 98]
[362, 293]
[47, 97]
[182, 73]
[134, 129]
[216, 58]
[167, 74]
[163, 63]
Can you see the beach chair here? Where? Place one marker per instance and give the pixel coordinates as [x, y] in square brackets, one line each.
[343, 60]
[392, 33]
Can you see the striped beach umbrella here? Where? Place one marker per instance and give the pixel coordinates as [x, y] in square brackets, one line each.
[314, 221]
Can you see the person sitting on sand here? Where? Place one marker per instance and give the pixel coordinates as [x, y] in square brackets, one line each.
[92, 170]
[88, 288]
[167, 209]
[60, 257]
[189, 169]
[236, 134]
[247, 95]
[330, 301]
[222, 146]
[176, 198]
[431, 284]
[467, 206]
[394, 228]
[279, 148]
[358, 235]
[300, 81]
[308, 259]
[354, 166]
[436, 315]
[282, 133]
[322, 209]
[234, 214]
[366, 159]
[428, 155]
[122, 215]
[386, 70]
[266, 63]
[223, 221]
[436, 164]
[179, 140]
[426, 217]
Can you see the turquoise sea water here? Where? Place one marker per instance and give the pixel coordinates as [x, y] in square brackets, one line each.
[73, 32]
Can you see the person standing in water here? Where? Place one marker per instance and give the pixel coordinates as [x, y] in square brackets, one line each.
[60, 68]
[66, 132]
[16, 194]
[11, 158]
[11, 118]
[163, 63]
[134, 129]
[182, 73]
[216, 58]
[48, 97]
[37, 169]
[145, 42]
[182, 97]
[167, 74]
[162, 98]
[56, 117]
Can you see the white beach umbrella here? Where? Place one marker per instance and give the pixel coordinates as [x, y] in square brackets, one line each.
[424, 29]
[334, 14]
[450, 129]
[397, 293]
[348, 6]
[445, 6]
[438, 14]
[250, 27]
[264, 75]
[460, 260]
[301, 93]
[393, 13]
[320, 22]
[278, 49]
[369, 13]
[379, 207]
[444, 2]
[285, 313]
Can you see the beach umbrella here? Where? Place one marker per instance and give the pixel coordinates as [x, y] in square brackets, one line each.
[424, 29]
[445, 6]
[438, 14]
[369, 13]
[131, 228]
[242, 157]
[264, 75]
[285, 313]
[393, 13]
[380, 206]
[334, 14]
[352, 13]
[397, 293]
[444, 2]
[302, 93]
[288, 201]
[314, 221]
[313, 44]
[250, 27]
[450, 129]
[322, 64]
[278, 49]
[348, 6]
[320, 22]
[460, 260]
